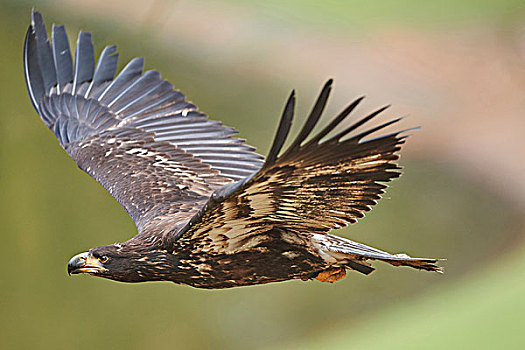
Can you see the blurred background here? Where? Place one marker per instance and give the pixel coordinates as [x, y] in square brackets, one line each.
[456, 68]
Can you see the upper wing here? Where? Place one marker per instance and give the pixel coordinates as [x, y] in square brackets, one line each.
[136, 135]
[319, 183]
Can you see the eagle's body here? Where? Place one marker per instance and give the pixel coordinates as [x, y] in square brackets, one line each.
[210, 212]
[277, 258]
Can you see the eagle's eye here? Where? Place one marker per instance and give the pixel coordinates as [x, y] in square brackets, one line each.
[103, 259]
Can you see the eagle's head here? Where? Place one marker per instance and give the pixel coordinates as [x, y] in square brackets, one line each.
[116, 263]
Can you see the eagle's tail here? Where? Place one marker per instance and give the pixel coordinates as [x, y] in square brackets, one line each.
[344, 252]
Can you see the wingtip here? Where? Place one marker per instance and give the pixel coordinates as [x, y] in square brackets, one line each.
[327, 88]
[37, 22]
[290, 103]
[33, 13]
[282, 130]
[35, 81]
[55, 27]
[384, 108]
[111, 49]
[355, 103]
[84, 34]
[84, 60]
[405, 131]
[36, 17]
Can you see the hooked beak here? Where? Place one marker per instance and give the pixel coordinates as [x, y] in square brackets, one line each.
[84, 263]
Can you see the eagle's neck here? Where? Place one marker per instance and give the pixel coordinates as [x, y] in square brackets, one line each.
[144, 262]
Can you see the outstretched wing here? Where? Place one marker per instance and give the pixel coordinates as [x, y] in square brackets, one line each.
[136, 135]
[321, 182]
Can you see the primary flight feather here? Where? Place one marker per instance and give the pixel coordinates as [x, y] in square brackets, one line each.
[210, 211]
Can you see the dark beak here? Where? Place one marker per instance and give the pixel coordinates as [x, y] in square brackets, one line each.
[84, 263]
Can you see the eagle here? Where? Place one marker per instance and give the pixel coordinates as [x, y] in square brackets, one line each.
[210, 212]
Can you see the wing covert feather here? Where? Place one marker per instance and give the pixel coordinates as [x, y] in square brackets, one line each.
[144, 176]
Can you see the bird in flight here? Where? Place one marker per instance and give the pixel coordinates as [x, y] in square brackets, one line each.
[210, 212]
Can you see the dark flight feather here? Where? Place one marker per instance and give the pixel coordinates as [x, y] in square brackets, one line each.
[84, 61]
[314, 116]
[62, 57]
[45, 56]
[283, 130]
[338, 119]
[33, 76]
[106, 68]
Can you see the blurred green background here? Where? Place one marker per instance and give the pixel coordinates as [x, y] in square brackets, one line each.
[457, 68]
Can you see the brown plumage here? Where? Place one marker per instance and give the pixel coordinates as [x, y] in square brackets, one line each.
[210, 212]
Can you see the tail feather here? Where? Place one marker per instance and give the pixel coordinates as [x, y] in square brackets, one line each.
[342, 251]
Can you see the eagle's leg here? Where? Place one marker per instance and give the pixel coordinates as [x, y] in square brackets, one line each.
[331, 275]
